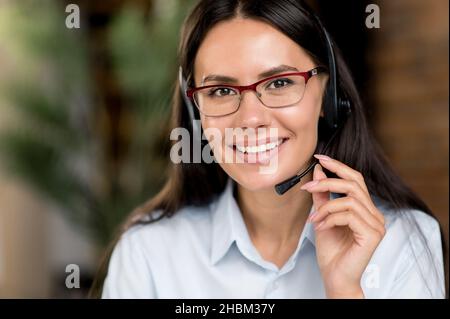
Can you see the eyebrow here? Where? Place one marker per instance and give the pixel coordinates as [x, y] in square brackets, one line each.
[272, 71]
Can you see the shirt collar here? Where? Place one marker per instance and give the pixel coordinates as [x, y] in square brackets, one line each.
[228, 226]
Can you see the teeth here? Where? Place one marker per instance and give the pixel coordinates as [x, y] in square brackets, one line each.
[260, 148]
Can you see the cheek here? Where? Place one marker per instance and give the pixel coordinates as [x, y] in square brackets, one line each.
[214, 131]
[301, 119]
[214, 123]
[297, 119]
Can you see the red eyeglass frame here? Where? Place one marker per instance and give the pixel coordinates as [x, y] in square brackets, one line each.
[241, 88]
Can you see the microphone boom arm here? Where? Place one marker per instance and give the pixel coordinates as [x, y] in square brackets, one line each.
[286, 185]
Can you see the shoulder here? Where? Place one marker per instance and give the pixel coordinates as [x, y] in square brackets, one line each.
[409, 258]
[188, 223]
[409, 224]
[145, 251]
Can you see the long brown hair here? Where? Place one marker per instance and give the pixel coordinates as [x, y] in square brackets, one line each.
[354, 145]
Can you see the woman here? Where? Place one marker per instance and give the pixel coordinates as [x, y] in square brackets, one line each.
[350, 228]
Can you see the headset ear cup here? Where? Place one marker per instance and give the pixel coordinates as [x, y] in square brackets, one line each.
[344, 110]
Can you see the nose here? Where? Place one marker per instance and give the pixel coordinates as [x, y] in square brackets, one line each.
[252, 113]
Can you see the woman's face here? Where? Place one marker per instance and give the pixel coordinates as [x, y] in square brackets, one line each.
[243, 49]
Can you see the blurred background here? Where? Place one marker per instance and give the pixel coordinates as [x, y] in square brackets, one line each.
[83, 113]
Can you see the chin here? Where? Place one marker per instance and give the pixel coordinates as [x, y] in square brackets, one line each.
[256, 181]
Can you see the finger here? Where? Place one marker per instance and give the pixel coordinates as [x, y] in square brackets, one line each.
[319, 199]
[342, 186]
[335, 185]
[346, 204]
[346, 172]
[362, 232]
[342, 170]
[319, 174]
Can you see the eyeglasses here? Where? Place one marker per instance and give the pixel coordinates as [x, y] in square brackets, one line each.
[280, 90]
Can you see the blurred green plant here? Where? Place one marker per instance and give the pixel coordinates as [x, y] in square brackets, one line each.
[54, 143]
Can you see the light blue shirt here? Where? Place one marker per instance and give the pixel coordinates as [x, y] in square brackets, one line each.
[207, 253]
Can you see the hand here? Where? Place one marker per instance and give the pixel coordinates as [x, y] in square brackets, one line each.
[348, 229]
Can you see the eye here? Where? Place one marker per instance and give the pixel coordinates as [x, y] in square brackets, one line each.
[279, 83]
[221, 92]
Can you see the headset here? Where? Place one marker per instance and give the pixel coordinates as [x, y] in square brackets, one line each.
[336, 109]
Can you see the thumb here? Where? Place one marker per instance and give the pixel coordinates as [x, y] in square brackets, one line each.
[319, 198]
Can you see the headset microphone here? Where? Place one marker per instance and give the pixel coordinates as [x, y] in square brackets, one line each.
[283, 187]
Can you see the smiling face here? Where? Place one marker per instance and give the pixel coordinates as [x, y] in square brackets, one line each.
[248, 50]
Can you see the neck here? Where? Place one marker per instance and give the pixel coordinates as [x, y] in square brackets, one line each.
[275, 219]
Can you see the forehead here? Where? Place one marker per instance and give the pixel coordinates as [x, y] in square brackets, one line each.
[242, 48]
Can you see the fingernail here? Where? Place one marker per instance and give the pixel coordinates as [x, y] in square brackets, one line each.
[309, 184]
[322, 157]
[319, 225]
